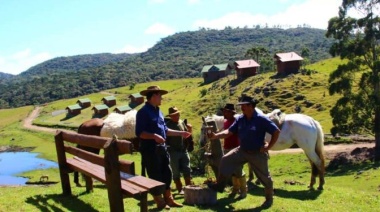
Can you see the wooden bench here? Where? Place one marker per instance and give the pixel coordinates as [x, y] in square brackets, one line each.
[118, 175]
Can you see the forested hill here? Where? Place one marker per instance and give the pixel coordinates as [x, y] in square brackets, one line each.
[178, 56]
[73, 63]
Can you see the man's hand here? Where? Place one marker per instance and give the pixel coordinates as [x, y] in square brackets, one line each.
[189, 128]
[185, 134]
[159, 139]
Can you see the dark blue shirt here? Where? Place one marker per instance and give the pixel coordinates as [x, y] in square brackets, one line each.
[150, 119]
[251, 132]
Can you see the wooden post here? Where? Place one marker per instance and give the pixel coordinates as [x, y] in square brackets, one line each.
[65, 180]
[144, 202]
[112, 172]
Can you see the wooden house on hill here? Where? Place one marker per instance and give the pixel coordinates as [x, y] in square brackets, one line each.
[122, 109]
[212, 73]
[84, 103]
[109, 101]
[100, 110]
[73, 109]
[246, 68]
[136, 99]
[287, 63]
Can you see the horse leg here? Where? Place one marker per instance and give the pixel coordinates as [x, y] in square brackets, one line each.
[316, 169]
[314, 172]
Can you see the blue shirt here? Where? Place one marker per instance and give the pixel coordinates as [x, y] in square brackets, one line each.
[251, 132]
[150, 119]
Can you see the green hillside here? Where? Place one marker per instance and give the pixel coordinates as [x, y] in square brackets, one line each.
[307, 92]
[178, 56]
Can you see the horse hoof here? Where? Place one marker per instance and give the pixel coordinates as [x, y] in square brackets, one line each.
[320, 188]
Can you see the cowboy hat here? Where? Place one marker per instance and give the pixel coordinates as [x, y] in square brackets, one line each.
[173, 111]
[153, 88]
[229, 107]
[247, 100]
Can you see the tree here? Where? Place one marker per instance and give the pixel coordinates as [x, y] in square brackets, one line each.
[358, 81]
[257, 53]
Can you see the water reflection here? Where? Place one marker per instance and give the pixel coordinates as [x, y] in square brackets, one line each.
[12, 163]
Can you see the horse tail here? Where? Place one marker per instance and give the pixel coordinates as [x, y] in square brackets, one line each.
[319, 145]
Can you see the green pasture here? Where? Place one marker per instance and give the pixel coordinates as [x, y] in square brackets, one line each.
[353, 187]
[196, 99]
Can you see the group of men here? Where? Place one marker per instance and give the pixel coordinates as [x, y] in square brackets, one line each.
[164, 155]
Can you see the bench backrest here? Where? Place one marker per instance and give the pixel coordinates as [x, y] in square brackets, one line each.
[122, 147]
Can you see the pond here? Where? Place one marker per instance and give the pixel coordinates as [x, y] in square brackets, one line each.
[13, 163]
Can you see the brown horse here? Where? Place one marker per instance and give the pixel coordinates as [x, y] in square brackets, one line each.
[94, 127]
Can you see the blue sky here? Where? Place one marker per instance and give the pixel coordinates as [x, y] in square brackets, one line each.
[33, 31]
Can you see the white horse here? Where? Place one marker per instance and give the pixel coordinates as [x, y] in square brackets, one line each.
[297, 129]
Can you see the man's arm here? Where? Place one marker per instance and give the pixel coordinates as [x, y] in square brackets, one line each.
[272, 141]
[171, 132]
[223, 134]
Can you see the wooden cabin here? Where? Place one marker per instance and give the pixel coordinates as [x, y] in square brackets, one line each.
[287, 63]
[136, 99]
[246, 68]
[100, 110]
[122, 109]
[212, 73]
[74, 109]
[84, 103]
[109, 101]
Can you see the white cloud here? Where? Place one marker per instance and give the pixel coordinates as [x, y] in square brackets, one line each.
[133, 49]
[21, 61]
[315, 13]
[159, 29]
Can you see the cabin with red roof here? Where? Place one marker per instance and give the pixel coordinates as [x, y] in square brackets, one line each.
[246, 68]
[287, 63]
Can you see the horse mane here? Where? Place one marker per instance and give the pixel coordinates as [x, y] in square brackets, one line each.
[277, 117]
[121, 125]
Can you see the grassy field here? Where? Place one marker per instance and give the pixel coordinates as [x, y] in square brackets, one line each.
[195, 99]
[354, 187]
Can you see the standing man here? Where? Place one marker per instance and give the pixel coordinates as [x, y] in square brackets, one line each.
[239, 182]
[179, 157]
[250, 128]
[152, 131]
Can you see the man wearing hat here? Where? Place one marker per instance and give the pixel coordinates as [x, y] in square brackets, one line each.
[239, 182]
[179, 156]
[251, 128]
[152, 131]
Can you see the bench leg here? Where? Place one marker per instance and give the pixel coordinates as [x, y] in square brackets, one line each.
[65, 182]
[144, 202]
[89, 183]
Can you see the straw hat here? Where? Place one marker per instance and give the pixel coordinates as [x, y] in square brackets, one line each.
[153, 88]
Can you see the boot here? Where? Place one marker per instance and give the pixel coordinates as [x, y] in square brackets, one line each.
[219, 185]
[243, 187]
[268, 198]
[170, 200]
[178, 185]
[160, 202]
[188, 181]
[235, 187]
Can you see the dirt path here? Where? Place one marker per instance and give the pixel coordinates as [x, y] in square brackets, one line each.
[28, 122]
[329, 149]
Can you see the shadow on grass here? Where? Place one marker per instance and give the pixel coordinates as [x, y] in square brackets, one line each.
[44, 203]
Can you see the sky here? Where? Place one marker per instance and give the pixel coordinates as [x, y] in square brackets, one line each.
[33, 31]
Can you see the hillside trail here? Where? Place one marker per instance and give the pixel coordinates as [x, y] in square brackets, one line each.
[329, 149]
[28, 122]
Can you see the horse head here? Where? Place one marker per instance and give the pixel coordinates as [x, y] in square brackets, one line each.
[216, 122]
